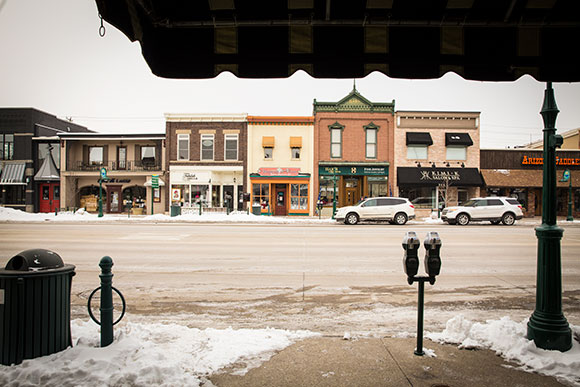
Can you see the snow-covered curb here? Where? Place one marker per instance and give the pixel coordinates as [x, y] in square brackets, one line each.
[149, 355]
[508, 339]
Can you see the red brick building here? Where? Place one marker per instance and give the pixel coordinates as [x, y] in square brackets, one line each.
[353, 149]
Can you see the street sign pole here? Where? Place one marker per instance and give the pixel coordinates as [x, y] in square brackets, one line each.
[569, 218]
[103, 176]
[547, 326]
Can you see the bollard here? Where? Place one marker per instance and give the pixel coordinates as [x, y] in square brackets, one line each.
[106, 307]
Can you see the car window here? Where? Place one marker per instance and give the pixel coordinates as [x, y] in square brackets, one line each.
[398, 201]
[384, 202]
[480, 203]
[513, 202]
[370, 203]
[469, 203]
[494, 202]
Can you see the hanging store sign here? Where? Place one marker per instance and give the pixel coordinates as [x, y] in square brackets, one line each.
[355, 170]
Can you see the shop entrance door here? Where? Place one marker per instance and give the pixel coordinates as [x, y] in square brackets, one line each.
[352, 196]
[114, 199]
[49, 197]
[229, 196]
[280, 208]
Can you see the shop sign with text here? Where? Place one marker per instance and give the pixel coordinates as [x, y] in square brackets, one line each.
[527, 160]
[357, 170]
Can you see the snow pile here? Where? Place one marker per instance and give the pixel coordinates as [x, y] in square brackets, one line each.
[149, 354]
[508, 339]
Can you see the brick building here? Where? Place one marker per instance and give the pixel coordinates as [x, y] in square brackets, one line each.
[353, 149]
[206, 160]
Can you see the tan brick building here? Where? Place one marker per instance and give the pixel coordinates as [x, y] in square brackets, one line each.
[437, 157]
[353, 149]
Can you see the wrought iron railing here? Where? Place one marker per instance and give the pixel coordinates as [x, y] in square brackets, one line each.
[130, 165]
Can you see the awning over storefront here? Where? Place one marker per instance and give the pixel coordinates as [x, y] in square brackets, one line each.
[13, 174]
[463, 177]
[419, 138]
[458, 139]
[47, 171]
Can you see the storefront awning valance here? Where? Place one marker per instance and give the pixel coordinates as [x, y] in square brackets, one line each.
[462, 177]
[268, 141]
[419, 138]
[13, 174]
[295, 142]
[458, 139]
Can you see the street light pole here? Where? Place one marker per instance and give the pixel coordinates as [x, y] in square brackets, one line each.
[570, 218]
[333, 195]
[547, 325]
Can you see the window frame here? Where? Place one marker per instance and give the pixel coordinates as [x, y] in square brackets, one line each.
[456, 147]
[415, 147]
[5, 147]
[293, 149]
[271, 148]
[340, 128]
[207, 136]
[371, 128]
[102, 148]
[183, 137]
[231, 136]
[300, 198]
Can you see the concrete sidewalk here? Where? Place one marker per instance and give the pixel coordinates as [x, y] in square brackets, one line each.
[333, 361]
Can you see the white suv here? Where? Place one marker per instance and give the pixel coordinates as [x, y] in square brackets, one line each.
[495, 209]
[394, 210]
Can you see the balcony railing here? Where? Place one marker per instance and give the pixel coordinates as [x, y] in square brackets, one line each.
[131, 165]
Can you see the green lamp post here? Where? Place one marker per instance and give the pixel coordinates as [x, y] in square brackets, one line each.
[547, 325]
[568, 178]
[103, 177]
[334, 195]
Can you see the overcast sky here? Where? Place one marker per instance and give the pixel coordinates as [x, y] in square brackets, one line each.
[54, 60]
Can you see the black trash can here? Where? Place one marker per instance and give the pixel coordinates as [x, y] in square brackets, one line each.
[256, 209]
[35, 289]
[175, 210]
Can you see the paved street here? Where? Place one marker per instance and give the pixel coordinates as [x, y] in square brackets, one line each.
[328, 278]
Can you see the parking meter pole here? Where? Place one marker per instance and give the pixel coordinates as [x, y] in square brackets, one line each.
[106, 301]
[420, 309]
[547, 326]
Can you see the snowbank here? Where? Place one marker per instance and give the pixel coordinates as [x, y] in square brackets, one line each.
[508, 339]
[149, 354]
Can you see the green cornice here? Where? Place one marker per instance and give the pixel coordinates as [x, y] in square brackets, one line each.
[354, 103]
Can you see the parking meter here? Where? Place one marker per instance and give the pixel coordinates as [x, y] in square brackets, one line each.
[432, 258]
[411, 246]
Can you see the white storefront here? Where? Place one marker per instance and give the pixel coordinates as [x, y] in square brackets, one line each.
[212, 186]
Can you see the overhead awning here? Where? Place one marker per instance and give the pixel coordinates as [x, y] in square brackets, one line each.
[458, 139]
[295, 142]
[48, 170]
[13, 174]
[268, 142]
[419, 138]
[462, 177]
[148, 182]
[478, 39]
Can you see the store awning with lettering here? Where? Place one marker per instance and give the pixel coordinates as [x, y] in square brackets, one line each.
[419, 138]
[435, 176]
[458, 139]
[13, 174]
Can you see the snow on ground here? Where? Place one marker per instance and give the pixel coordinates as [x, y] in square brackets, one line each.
[149, 355]
[12, 215]
[508, 339]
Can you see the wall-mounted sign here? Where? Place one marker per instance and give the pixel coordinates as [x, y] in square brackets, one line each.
[278, 171]
[440, 175]
[356, 170]
[116, 180]
[155, 181]
[527, 160]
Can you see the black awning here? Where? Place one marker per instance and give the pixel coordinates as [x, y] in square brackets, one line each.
[457, 177]
[477, 39]
[419, 138]
[458, 139]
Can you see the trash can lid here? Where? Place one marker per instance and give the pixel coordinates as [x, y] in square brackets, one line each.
[34, 260]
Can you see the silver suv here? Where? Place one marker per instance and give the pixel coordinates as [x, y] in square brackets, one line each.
[393, 210]
[494, 209]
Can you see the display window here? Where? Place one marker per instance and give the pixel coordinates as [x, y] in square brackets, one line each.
[299, 196]
[261, 196]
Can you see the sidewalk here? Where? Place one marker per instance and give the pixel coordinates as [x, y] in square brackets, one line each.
[333, 361]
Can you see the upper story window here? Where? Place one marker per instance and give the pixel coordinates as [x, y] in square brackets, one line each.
[295, 147]
[148, 155]
[418, 144]
[268, 145]
[207, 143]
[371, 141]
[6, 147]
[231, 147]
[336, 140]
[183, 147]
[457, 144]
[268, 153]
[96, 155]
[456, 152]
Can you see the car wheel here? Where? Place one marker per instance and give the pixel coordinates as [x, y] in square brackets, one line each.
[351, 218]
[462, 219]
[508, 219]
[495, 221]
[400, 218]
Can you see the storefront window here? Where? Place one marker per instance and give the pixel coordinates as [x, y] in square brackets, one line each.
[299, 196]
[421, 197]
[378, 188]
[327, 190]
[199, 195]
[215, 196]
[261, 195]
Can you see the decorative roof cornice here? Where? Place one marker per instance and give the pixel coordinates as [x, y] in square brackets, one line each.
[354, 102]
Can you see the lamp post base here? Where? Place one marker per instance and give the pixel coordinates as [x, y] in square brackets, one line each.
[549, 331]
